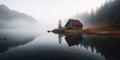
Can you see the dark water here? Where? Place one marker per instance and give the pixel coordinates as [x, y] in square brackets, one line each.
[29, 45]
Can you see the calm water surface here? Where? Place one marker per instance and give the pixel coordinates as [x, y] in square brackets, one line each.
[30, 45]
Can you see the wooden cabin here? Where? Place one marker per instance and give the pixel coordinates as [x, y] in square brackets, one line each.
[73, 24]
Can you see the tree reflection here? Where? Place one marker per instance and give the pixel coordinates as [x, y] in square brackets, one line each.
[60, 38]
[104, 45]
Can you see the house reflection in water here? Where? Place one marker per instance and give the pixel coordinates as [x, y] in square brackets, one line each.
[71, 40]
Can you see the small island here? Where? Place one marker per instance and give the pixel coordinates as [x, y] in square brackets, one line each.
[71, 27]
[74, 27]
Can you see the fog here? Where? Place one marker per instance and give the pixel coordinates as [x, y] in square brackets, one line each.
[48, 12]
[19, 24]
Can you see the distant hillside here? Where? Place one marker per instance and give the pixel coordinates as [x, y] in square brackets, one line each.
[7, 14]
[13, 19]
[107, 16]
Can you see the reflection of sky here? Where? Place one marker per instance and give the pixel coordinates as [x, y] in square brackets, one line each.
[50, 11]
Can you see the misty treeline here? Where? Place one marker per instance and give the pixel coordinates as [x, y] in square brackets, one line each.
[106, 16]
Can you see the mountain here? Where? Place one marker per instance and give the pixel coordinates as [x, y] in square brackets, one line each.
[107, 16]
[13, 19]
[7, 14]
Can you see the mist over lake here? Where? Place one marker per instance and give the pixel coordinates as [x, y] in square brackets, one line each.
[59, 30]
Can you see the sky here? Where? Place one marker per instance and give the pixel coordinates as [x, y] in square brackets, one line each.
[50, 11]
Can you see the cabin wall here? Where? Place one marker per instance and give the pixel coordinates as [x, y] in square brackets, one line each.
[73, 24]
[70, 26]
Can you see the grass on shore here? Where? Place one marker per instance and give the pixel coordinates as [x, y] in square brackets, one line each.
[87, 31]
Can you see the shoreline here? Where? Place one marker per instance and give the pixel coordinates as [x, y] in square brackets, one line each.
[86, 31]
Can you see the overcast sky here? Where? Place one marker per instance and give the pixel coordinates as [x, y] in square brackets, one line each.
[51, 10]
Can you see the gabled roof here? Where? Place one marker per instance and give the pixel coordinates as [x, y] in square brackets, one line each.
[74, 22]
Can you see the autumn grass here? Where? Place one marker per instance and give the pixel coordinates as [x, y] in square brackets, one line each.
[87, 31]
[99, 31]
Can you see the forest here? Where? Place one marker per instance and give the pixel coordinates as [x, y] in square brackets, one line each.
[105, 17]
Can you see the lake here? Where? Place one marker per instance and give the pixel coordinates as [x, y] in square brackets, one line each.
[41, 45]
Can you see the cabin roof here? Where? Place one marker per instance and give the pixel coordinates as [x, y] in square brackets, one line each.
[74, 23]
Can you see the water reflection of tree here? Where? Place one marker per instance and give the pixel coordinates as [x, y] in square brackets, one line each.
[106, 45]
[60, 38]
